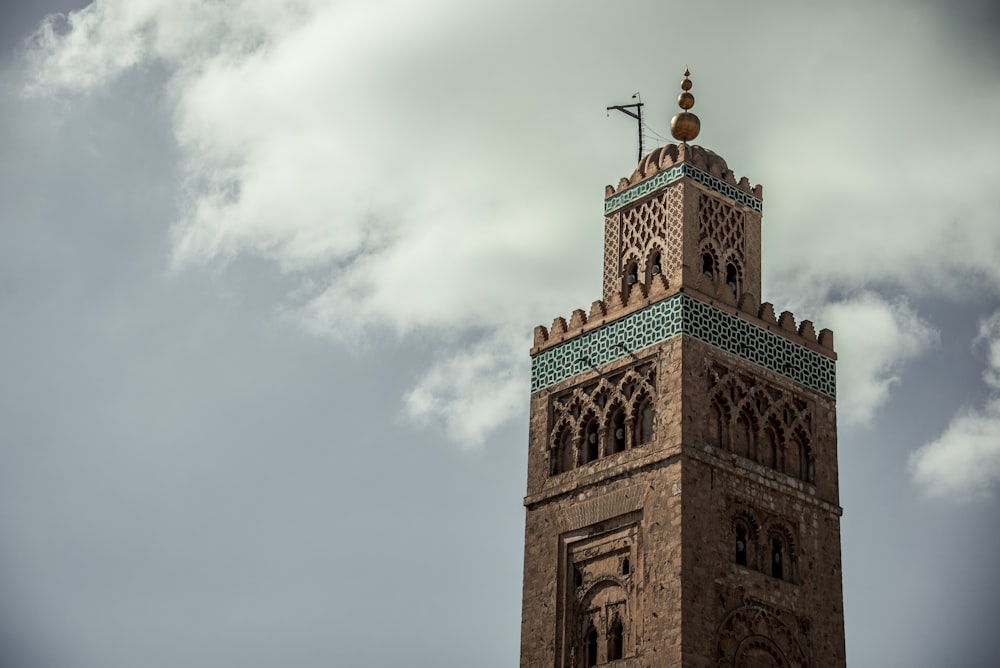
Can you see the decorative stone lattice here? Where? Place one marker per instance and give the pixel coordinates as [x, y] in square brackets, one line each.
[670, 317]
[759, 421]
[721, 231]
[612, 254]
[622, 400]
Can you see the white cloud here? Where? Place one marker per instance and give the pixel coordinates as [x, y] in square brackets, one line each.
[875, 338]
[964, 461]
[414, 169]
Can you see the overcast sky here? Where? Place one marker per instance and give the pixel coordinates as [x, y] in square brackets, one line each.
[269, 271]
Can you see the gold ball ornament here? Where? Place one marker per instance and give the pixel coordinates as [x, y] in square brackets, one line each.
[685, 100]
[685, 126]
[686, 84]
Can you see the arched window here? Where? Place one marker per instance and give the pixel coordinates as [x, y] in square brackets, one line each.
[562, 452]
[616, 433]
[741, 544]
[654, 268]
[777, 557]
[590, 645]
[767, 453]
[590, 450]
[742, 437]
[644, 422]
[708, 266]
[716, 426]
[629, 278]
[615, 644]
[793, 457]
[732, 278]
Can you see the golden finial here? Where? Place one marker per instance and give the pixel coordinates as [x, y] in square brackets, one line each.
[685, 125]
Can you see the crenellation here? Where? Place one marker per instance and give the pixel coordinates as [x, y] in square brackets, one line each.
[558, 328]
[577, 320]
[807, 331]
[787, 321]
[826, 338]
[766, 313]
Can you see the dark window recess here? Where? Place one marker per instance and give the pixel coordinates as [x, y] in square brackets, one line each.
[617, 440]
[615, 640]
[708, 265]
[777, 558]
[590, 444]
[626, 566]
[590, 642]
[731, 277]
[644, 426]
[741, 546]
[577, 577]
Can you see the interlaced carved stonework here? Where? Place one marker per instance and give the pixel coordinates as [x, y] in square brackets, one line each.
[652, 228]
[599, 586]
[721, 233]
[759, 421]
[603, 418]
[757, 635]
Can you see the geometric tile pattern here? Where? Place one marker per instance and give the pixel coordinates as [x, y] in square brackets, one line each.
[676, 172]
[682, 314]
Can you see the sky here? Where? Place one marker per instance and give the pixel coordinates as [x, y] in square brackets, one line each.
[269, 272]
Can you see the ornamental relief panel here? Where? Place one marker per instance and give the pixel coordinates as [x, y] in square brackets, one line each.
[602, 418]
[760, 422]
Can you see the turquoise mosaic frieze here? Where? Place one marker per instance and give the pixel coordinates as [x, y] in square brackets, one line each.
[675, 173]
[682, 314]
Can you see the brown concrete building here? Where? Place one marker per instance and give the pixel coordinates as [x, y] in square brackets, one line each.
[682, 499]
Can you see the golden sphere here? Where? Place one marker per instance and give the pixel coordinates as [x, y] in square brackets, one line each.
[686, 84]
[685, 126]
[685, 100]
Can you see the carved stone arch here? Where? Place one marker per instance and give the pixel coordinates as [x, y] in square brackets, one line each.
[759, 652]
[588, 436]
[709, 260]
[770, 443]
[798, 453]
[744, 530]
[755, 632]
[731, 271]
[654, 261]
[718, 418]
[617, 429]
[640, 415]
[562, 453]
[782, 547]
[744, 433]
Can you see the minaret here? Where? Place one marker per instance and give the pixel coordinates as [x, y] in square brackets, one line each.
[682, 499]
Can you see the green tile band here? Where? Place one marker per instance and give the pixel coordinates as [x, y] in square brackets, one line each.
[682, 314]
[675, 173]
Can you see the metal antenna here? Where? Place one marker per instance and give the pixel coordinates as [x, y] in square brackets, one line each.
[637, 115]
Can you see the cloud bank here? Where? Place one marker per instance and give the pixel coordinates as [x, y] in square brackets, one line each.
[964, 462]
[395, 159]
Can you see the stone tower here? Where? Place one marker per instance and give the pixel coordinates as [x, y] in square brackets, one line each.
[682, 499]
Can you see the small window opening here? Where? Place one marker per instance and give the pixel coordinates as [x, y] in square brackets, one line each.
[741, 546]
[654, 265]
[708, 265]
[617, 440]
[615, 640]
[626, 566]
[644, 426]
[731, 277]
[777, 558]
[577, 577]
[590, 446]
[590, 641]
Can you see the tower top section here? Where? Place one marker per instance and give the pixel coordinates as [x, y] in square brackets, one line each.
[685, 126]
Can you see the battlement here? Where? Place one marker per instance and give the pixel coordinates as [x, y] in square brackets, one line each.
[672, 155]
[718, 295]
